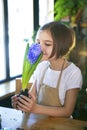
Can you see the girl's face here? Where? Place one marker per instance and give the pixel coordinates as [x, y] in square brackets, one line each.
[46, 42]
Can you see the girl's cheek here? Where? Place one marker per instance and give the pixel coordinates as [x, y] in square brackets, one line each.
[43, 49]
[49, 52]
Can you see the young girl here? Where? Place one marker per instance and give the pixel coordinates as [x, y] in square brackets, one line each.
[56, 80]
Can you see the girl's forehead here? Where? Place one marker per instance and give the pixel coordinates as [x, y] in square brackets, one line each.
[44, 34]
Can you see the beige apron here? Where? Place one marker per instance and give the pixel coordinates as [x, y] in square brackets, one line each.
[49, 96]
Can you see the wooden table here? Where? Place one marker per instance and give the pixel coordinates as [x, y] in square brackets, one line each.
[14, 119]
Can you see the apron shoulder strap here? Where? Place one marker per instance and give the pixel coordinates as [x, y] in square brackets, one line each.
[58, 83]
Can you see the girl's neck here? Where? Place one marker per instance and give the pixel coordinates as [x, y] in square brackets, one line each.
[58, 63]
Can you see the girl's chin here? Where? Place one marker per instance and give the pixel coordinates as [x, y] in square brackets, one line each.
[44, 57]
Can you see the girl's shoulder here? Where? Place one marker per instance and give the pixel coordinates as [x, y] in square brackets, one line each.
[43, 64]
[40, 69]
[73, 76]
[72, 67]
[73, 72]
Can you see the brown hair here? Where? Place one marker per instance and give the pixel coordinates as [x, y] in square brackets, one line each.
[63, 38]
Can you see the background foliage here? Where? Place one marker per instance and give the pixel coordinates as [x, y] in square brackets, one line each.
[63, 8]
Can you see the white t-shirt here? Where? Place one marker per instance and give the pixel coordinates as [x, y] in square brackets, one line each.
[71, 78]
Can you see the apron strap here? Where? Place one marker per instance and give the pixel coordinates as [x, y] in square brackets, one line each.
[58, 83]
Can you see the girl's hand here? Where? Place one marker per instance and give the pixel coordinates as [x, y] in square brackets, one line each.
[14, 100]
[26, 104]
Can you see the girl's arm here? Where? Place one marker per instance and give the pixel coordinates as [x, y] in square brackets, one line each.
[30, 105]
[65, 111]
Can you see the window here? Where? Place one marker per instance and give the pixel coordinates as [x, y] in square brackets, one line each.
[46, 13]
[2, 47]
[20, 19]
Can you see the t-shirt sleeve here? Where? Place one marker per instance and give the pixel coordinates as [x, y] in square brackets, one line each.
[35, 73]
[75, 80]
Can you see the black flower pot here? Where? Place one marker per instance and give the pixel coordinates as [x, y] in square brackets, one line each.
[24, 92]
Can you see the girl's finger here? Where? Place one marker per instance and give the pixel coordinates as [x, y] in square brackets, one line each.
[25, 98]
[23, 107]
[32, 96]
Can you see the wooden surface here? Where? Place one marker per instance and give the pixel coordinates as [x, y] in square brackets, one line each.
[19, 85]
[7, 89]
[14, 119]
[10, 88]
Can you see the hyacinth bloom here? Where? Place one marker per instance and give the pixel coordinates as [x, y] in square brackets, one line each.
[34, 52]
[32, 57]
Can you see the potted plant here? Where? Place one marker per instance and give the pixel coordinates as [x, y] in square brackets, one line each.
[32, 57]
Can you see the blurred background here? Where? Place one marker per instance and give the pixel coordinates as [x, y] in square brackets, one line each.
[19, 22]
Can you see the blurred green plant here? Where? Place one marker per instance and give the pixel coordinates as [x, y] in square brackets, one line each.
[63, 8]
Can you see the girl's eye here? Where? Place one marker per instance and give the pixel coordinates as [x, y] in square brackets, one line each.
[47, 44]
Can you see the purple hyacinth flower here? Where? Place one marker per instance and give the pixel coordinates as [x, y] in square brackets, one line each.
[34, 52]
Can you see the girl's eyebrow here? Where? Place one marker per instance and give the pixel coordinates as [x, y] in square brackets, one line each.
[44, 40]
[48, 41]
